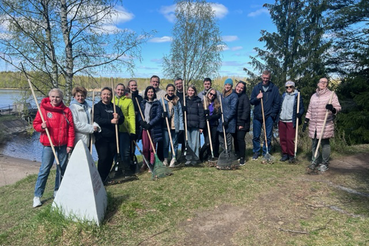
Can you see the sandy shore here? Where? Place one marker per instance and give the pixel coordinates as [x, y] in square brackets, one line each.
[14, 169]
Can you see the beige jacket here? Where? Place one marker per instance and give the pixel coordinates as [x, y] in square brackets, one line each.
[316, 113]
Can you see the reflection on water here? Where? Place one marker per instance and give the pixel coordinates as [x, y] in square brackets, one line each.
[28, 148]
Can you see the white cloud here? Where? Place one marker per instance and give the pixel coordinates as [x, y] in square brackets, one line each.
[258, 12]
[237, 48]
[232, 63]
[122, 15]
[229, 38]
[220, 10]
[161, 39]
[169, 11]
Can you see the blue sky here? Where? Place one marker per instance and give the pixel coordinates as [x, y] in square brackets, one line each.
[240, 24]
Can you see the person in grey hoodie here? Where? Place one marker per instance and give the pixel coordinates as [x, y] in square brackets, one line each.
[287, 121]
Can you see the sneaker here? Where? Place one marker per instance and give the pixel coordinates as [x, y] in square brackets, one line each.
[322, 168]
[312, 166]
[255, 156]
[165, 162]
[292, 160]
[37, 202]
[242, 161]
[172, 162]
[284, 158]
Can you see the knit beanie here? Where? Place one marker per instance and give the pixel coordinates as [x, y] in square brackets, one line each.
[228, 81]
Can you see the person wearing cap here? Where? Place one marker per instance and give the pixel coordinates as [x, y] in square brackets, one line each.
[229, 103]
[320, 104]
[269, 92]
[207, 85]
[287, 121]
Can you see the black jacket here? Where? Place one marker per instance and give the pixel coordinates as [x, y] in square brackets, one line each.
[195, 113]
[103, 114]
[243, 112]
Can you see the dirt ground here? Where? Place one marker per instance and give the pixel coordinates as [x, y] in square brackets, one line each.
[14, 169]
[279, 210]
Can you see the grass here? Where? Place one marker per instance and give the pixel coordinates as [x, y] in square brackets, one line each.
[256, 205]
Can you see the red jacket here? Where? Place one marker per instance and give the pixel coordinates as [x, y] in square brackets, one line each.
[59, 121]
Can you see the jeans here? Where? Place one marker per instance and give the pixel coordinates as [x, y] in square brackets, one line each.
[228, 139]
[256, 131]
[194, 140]
[167, 143]
[124, 148]
[46, 164]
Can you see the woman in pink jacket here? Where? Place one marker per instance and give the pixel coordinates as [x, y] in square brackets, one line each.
[318, 107]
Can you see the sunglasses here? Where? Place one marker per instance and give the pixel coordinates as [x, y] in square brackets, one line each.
[289, 87]
[211, 94]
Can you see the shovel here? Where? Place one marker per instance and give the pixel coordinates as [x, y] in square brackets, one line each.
[212, 162]
[297, 124]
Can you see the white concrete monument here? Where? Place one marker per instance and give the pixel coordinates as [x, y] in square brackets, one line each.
[82, 195]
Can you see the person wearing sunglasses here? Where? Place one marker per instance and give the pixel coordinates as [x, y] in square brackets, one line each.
[287, 121]
[207, 85]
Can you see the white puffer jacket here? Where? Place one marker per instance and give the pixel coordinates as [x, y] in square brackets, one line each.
[316, 113]
[83, 129]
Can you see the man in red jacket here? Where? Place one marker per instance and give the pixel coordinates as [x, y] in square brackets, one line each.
[58, 120]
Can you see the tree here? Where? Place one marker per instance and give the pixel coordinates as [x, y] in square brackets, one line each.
[297, 50]
[195, 49]
[349, 23]
[57, 39]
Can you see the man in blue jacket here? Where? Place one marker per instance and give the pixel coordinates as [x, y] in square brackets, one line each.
[269, 92]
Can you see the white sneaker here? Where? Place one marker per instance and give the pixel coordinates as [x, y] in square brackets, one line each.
[37, 202]
[165, 162]
[173, 162]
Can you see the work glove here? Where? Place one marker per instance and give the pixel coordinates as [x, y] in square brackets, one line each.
[184, 108]
[225, 123]
[305, 124]
[149, 127]
[298, 115]
[206, 112]
[165, 114]
[142, 123]
[330, 107]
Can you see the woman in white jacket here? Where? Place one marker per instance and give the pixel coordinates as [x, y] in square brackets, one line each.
[82, 116]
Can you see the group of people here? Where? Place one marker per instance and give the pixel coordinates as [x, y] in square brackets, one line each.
[160, 117]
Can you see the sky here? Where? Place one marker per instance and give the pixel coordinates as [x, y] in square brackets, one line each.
[240, 23]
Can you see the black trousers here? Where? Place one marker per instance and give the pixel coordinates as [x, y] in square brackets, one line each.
[214, 140]
[106, 150]
[240, 143]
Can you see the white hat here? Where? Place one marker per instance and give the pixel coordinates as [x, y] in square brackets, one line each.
[290, 83]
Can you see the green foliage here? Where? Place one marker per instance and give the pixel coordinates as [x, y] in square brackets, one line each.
[296, 51]
[195, 52]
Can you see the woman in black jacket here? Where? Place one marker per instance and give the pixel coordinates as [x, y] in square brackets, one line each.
[243, 121]
[152, 111]
[195, 120]
[212, 114]
[105, 140]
